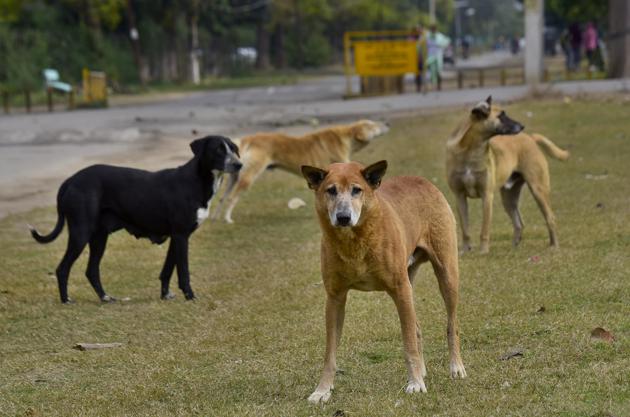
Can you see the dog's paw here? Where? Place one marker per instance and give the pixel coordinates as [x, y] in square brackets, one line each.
[415, 386]
[69, 301]
[484, 248]
[168, 296]
[108, 299]
[190, 297]
[320, 396]
[458, 370]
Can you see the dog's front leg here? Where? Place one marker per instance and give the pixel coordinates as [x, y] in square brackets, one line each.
[232, 178]
[487, 199]
[181, 258]
[403, 298]
[335, 312]
[462, 211]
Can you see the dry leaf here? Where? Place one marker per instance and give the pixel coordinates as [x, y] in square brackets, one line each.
[600, 333]
[534, 259]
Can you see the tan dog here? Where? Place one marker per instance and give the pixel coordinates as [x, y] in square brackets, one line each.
[374, 239]
[320, 148]
[478, 161]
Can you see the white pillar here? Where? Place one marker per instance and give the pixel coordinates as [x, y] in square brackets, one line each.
[432, 11]
[534, 25]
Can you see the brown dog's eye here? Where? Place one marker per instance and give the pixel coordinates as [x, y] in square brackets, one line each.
[332, 191]
[356, 191]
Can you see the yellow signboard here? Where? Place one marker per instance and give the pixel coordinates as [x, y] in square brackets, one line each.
[385, 57]
[94, 87]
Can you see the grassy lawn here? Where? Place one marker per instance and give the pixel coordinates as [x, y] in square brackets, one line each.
[253, 343]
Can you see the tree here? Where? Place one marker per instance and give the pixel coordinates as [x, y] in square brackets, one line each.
[619, 39]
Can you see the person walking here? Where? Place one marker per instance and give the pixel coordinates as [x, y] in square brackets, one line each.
[590, 45]
[436, 43]
[421, 47]
[575, 41]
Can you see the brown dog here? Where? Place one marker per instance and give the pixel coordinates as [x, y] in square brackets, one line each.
[478, 161]
[374, 239]
[320, 148]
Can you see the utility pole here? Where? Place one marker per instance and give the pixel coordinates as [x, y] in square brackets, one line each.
[432, 11]
[534, 24]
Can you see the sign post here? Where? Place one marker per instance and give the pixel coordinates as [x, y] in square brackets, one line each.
[379, 54]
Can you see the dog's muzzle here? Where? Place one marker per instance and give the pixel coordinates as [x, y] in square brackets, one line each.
[232, 167]
[343, 219]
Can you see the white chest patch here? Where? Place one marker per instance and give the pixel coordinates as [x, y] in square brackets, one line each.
[470, 181]
[204, 212]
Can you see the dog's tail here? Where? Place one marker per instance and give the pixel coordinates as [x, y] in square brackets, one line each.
[60, 221]
[53, 235]
[550, 148]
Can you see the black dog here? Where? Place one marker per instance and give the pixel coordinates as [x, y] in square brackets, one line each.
[102, 199]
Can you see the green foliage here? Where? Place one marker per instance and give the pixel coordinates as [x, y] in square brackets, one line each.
[311, 51]
[579, 10]
[71, 34]
[22, 57]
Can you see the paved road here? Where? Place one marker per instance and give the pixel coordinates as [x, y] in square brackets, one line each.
[38, 150]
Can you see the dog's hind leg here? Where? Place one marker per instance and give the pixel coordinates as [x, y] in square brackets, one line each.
[167, 272]
[232, 179]
[541, 195]
[77, 240]
[180, 243]
[444, 261]
[97, 249]
[510, 197]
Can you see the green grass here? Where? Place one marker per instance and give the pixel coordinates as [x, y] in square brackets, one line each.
[253, 343]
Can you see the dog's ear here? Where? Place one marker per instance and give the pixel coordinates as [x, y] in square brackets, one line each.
[489, 101]
[482, 109]
[358, 132]
[374, 173]
[198, 146]
[233, 147]
[314, 176]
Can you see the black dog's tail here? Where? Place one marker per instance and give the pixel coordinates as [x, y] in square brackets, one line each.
[53, 235]
[58, 227]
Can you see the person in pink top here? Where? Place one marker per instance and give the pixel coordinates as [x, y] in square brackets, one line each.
[590, 44]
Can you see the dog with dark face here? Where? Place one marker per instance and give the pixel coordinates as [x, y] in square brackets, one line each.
[489, 150]
[170, 203]
[374, 238]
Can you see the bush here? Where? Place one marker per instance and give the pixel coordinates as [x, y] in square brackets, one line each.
[312, 51]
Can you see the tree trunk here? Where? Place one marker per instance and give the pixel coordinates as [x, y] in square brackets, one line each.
[195, 74]
[298, 36]
[619, 38]
[262, 45]
[277, 47]
[134, 37]
[262, 39]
